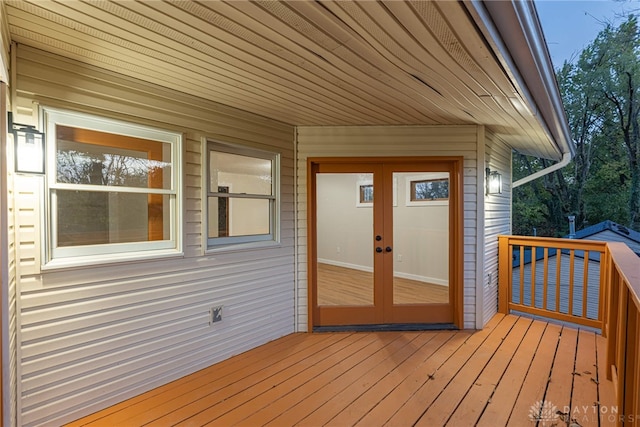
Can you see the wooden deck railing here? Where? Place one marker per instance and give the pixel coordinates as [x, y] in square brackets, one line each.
[554, 278]
[622, 329]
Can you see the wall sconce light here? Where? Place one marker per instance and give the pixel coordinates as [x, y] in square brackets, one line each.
[494, 182]
[28, 147]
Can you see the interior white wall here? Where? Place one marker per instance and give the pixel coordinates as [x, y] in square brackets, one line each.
[345, 230]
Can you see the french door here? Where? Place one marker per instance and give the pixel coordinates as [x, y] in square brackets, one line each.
[385, 241]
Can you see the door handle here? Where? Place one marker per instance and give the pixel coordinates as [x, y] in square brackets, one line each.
[388, 249]
[378, 249]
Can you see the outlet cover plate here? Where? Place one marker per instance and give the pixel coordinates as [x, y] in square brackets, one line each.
[216, 314]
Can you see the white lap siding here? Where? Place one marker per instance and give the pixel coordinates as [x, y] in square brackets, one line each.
[497, 221]
[90, 337]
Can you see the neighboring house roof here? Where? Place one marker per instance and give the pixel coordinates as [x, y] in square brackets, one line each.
[605, 231]
[329, 63]
[609, 231]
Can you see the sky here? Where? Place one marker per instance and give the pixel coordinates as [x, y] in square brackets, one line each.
[570, 25]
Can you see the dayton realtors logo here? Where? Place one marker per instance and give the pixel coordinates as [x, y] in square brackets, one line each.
[548, 414]
[543, 412]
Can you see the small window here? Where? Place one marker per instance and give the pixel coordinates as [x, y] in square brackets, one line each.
[242, 195]
[427, 189]
[366, 193]
[112, 187]
[430, 189]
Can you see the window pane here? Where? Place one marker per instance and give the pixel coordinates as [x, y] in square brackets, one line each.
[97, 158]
[430, 189]
[92, 217]
[240, 174]
[232, 217]
[366, 194]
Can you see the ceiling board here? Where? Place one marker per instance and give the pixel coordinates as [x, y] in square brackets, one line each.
[307, 63]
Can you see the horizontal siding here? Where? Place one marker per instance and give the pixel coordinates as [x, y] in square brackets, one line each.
[497, 221]
[91, 337]
[9, 306]
[390, 141]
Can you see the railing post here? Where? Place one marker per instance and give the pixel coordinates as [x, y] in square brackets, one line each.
[504, 273]
[613, 309]
[605, 286]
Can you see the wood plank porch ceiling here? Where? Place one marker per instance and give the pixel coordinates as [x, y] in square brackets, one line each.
[298, 62]
[491, 377]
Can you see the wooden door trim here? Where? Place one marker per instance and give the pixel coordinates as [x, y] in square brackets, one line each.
[456, 207]
[340, 314]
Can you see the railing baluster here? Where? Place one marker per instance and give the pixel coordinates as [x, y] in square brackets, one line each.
[585, 282]
[534, 255]
[572, 256]
[522, 253]
[545, 278]
[558, 277]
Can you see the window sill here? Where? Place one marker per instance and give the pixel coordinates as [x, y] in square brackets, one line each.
[242, 247]
[98, 260]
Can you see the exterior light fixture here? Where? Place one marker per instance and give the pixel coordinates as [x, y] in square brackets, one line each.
[28, 147]
[494, 182]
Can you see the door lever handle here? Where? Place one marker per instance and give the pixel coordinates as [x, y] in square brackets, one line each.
[388, 249]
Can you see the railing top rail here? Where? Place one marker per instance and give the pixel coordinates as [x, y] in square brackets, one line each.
[557, 243]
[626, 262]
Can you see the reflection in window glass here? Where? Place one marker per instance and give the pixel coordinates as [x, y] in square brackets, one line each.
[98, 158]
[241, 195]
[430, 189]
[93, 218]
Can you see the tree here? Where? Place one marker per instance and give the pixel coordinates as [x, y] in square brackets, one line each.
[602, 103]
[614, 61]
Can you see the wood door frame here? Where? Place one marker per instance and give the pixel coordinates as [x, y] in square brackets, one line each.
[456, 226]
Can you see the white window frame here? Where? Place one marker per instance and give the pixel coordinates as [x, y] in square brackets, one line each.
[251, 241]
[111, 252]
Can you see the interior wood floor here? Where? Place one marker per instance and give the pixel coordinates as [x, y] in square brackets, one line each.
[492, 377]
[347, 286]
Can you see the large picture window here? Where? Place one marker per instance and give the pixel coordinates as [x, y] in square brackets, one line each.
[113, 186]
[241, 195]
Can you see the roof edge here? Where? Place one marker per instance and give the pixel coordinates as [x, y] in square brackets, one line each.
[514, 33]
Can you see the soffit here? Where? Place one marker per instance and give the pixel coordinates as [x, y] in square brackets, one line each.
[304, 63]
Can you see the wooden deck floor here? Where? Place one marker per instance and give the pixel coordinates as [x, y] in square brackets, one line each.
[491, 377]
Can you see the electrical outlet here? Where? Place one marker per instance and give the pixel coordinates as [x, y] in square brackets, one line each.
[215, 314]
[399, 257]
[338, 249]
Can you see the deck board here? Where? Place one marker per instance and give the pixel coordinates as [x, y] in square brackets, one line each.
[537, 377]
[508, 387]
[488, 377]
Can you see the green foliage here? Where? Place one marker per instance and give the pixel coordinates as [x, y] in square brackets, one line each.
[601, 95]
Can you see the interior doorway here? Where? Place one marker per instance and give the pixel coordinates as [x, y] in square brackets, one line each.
[385, 241]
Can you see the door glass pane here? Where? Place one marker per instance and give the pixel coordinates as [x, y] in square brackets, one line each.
[421, 238]
[345, 239]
